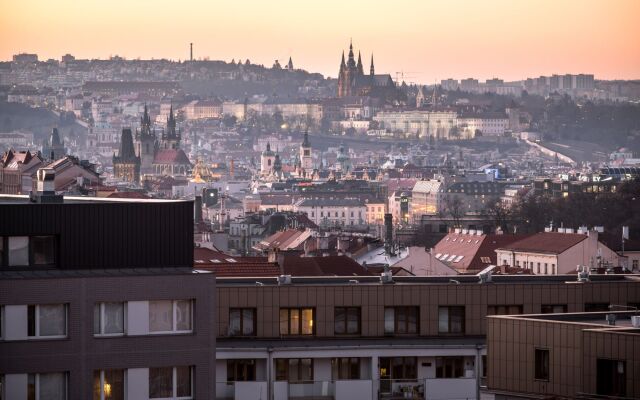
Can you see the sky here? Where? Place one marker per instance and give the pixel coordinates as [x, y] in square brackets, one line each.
[421, 40]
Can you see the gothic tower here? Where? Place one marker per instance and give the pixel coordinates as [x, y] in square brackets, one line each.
[170, 137]
[267, 159]
[348, 74]
[126, 165]
[146, 143]
[54, 149]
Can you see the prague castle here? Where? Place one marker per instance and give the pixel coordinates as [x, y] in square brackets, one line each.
[352, 80]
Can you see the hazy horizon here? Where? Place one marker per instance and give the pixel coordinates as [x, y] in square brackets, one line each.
[429, 41]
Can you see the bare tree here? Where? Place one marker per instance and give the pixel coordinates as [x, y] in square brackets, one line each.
[454, 208]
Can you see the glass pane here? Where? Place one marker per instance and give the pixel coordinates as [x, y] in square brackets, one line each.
[96, 319]
[397, 368]
[457, 320]
[389, 321]
[293, 370]
[44, 250]
[183, 315]
[307, 321]
[412, 321]
[18, 250]
[234, 321]
[231, 370]
[401, 317]
[31, 321]
[113, 384]
[113, 318]
[306, 369]
[247, 321]
[353, 320]
[284, 321]
[355, 368]
[294, 323]
[96, 385]
[281, 369]
[52, 320]
[183, 381]
[160, 382]
[53, 386]
[410, 368]
[31, 387]
[160, 316]
[443, 319]
[339, 320]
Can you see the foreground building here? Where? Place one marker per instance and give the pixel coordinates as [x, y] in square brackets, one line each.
[360, 338]
[578, 355]
[98, 299]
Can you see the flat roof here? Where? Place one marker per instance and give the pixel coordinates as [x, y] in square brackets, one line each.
[24, 199]
[597, 320]
[94, 273]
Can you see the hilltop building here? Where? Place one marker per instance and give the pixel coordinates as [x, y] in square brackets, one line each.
[353, 82]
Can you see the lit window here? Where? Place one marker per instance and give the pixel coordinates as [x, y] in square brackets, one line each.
[297, 321]
[108, 384]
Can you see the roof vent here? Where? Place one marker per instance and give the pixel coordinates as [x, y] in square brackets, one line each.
[583, 274]
[635, 321]
[284, 280]
[386, 277]
[45, 187]
[611, 319]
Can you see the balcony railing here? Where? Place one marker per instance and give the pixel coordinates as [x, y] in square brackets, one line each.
[242, 390]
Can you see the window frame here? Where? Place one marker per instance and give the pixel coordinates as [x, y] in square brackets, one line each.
[337, 364]
[287, 363]
[174, 383]
[463, 320]
[101, 320]
[5, 250]
[289, 321]
[541, 367]
[452, 363]
[101, 377]
[245, 363]
[403, 311]
[346, 310]
[242, 310]
[174, 323]
[496, 309]
[36, 383]
[545, 308]
[36, 322]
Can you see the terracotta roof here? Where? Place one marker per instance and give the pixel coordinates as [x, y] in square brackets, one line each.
[204, 255]
[323, 266]
[128, 195]
[547, 242]
[171, 156]
[241, 269]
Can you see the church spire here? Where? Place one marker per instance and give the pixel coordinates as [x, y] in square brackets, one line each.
[351, 62]
[359, 65]
[372, 70]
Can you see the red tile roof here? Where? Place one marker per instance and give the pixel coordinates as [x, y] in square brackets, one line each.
[171, 156]
[547, 242]
[323, 266]
[241, 269]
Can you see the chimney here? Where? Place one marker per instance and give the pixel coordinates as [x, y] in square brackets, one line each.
[197, 210]
[191, 51]
[45, 187]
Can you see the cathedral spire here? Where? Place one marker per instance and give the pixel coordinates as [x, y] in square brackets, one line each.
[359, 65]
[342, 62]
[372, 70]
[351, 62]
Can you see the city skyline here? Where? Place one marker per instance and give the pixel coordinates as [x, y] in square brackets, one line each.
[510, 41]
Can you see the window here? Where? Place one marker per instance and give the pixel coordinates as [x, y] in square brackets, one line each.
[170, 316]
[398, 367]
[50, 386]
[294, 369]
[108, 384]
[170, 382]
[401, 320]
[449, 367]
[451, 319]
[345, 368]
[109, 319]
[296, 321]
[611, 377]
[242, 321]
[347, 320]
[241, 370]
[595, 307]
[634, 263]
[47, 320]
[553, 308]
[542, 364]
[504, 310]
[18, 251]
[43, 250]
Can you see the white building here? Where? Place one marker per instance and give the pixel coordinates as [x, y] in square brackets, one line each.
[437, 124]
[333, 212]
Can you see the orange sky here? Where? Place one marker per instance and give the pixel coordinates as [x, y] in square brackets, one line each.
[429, 40]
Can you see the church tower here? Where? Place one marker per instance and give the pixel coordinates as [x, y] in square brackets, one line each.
[372, 70]
[267, 160]
[54, 149]
[306, 159]
[145, 143]
[348, 74]
[170, 137]
[126, 165]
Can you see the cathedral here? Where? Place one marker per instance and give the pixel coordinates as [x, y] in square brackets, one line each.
[352, 80]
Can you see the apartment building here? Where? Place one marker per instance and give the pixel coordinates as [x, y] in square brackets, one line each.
[577, 355]
[98, 299]
[360, 338]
